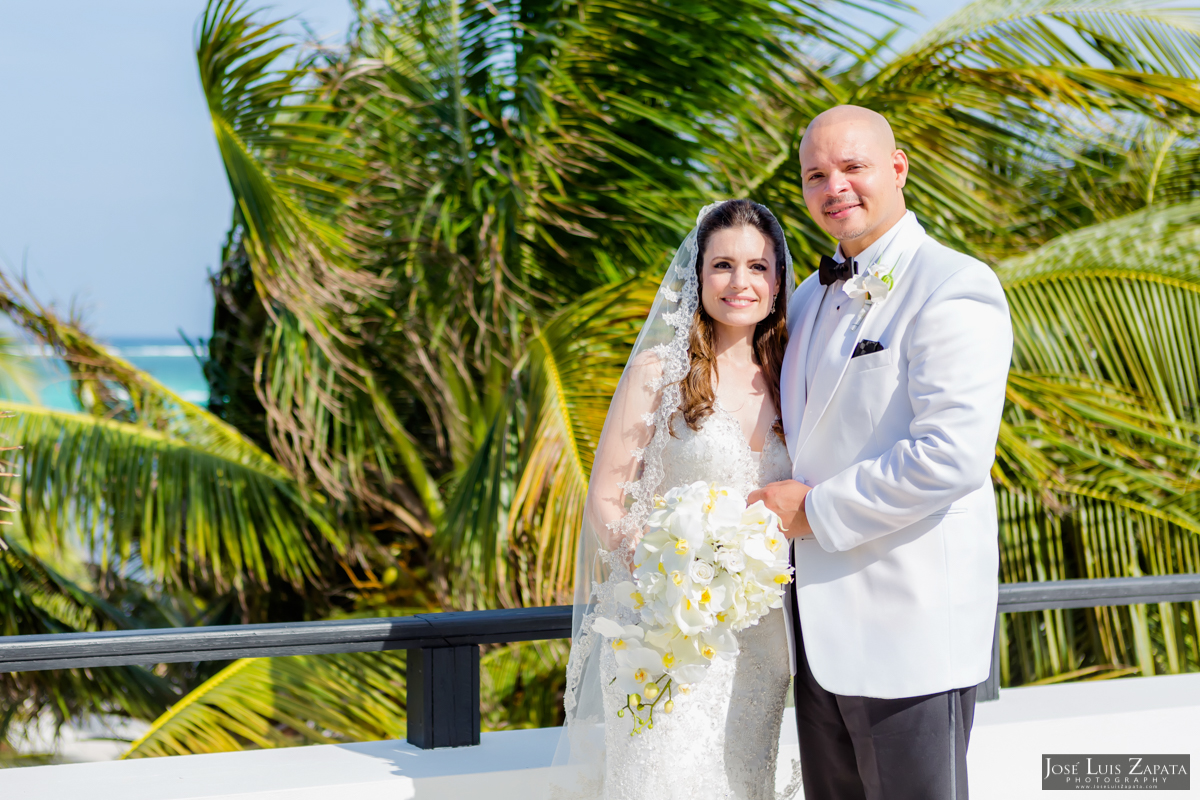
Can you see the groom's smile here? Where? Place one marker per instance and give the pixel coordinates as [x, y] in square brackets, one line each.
[841, 209]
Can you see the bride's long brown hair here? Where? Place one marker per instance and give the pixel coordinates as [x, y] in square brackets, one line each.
[770, 335]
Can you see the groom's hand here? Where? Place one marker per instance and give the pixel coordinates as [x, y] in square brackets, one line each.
[786, 498]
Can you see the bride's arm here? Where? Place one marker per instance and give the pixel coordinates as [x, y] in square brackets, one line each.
[625, 431]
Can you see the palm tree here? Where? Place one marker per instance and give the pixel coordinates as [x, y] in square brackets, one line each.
[445, 235]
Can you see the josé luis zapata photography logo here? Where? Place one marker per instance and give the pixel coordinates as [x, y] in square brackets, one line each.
[1107, 771]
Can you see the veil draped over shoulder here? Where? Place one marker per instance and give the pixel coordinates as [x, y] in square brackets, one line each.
[627, 474]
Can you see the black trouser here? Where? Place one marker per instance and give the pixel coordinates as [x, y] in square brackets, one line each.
[865, 748]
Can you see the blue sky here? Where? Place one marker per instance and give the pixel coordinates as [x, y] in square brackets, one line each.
[112, 194]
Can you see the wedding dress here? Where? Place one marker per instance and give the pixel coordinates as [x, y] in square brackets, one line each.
[721, 740]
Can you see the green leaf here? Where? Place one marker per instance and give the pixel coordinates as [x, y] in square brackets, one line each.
[278, 702]
[221, 514]
[36, 600]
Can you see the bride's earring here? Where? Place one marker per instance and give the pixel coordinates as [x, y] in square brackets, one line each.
[774, 300]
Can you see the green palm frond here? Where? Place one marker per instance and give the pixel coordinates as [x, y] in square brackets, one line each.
[154, 474]
[35, 599]
[278, 702]
[1099, 442]
[472, 542]
[1117, 302]
[1009, 82]
[287, 168]
[1038, 61]
[1098, 469]
[17, 380]
[512, 525]
[110, 387]
[1117, 172]
[1001, 102]
[574, 365]
[188, 512]
[293, 179]
[1145, 36]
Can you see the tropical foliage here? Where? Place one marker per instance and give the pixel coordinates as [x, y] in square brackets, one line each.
[1099, 474]
[444, 237]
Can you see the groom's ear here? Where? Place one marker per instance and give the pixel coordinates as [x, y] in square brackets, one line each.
[900, 165]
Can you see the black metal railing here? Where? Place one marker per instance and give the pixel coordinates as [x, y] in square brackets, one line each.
[443, 649]
[443, 654]
[1093, 593]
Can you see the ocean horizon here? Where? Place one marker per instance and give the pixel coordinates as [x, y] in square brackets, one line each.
[169, 360]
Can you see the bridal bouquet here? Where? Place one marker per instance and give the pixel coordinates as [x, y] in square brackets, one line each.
[707, 566]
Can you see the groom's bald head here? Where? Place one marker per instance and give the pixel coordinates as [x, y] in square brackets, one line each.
[871, 123]
[853, 175]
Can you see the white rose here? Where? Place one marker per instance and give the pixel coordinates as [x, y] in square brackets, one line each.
[701, 572]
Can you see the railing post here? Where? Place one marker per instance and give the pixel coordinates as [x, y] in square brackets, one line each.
[443, 696]
[990, 689]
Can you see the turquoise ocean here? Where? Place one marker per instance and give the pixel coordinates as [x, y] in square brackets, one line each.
[169, 360]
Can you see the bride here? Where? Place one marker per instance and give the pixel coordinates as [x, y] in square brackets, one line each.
[698, 401]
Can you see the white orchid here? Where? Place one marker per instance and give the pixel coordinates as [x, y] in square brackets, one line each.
[637, 667]
[718, 643]
[628, 595]
[618, 632]
[690, 619]
[873, 283]
[732, 560]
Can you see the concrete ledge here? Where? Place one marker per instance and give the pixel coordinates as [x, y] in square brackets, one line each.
[512, 765]
[1130, 715]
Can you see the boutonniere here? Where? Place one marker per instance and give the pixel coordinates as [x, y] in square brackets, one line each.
[875, 285]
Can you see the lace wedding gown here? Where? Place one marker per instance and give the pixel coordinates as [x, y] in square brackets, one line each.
[722, 739]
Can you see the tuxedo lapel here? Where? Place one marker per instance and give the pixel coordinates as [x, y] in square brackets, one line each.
[831, 366]
[795, 368]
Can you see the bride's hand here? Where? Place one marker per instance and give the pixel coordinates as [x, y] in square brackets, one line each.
[786, 498]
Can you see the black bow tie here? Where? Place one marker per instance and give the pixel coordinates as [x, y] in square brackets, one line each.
[832, 272]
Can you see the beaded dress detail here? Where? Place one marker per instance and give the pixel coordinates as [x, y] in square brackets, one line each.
[722, 739]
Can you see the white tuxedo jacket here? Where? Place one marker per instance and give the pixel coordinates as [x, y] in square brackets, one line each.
[897, 592]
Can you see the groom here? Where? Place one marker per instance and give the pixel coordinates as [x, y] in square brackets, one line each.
[892, 390]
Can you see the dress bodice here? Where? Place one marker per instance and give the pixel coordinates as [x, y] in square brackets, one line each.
[719, 453]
